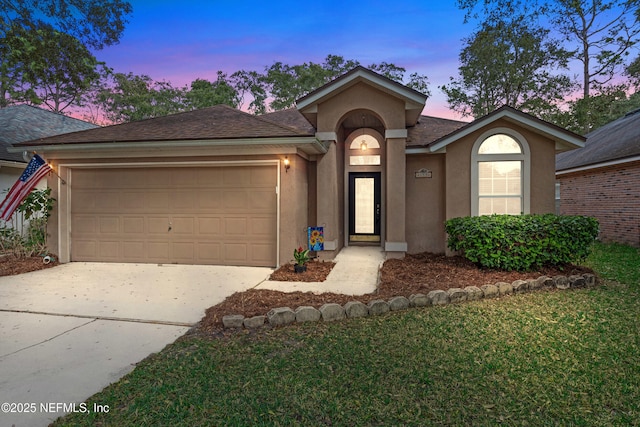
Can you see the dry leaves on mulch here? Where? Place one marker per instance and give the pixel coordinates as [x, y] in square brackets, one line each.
[10, 265]
[317, 271]
[414, 274]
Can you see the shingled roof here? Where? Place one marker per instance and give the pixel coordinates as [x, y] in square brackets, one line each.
[19, 123]
[430, 129]
[427, 130]
[218, 122]
[224, 122]
[617, 140]
[291, 117]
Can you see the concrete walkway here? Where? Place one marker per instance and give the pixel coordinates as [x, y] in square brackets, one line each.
[68, 332]
[355, 273]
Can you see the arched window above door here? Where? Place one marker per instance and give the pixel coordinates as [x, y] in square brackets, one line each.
[364, 143]
[364, 150]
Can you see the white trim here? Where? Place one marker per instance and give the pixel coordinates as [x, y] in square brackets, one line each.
[202, 163]
[599, 165]
[327, 136]
[417, 150]
[525, 158]
[12, 164]
[139, 154]
[278, 216]
[65, 255]
[395, 133]
[562, 139]
[176, 144]
[368, 76]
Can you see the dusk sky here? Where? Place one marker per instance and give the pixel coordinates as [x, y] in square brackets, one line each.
[181, 41]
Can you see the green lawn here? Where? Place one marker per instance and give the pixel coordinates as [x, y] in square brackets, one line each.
[545, 358]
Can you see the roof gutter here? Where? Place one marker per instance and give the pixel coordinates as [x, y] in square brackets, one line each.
[310, 141]
[418, 150]
[598, 165]
[12, 164]
[563, 139]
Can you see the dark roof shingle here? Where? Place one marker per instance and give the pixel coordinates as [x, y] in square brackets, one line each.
[20, 123]
[291, 118]
[217, 122]
[613, 141]
[430, 129]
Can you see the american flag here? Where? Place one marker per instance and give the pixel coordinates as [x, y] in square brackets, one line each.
[35, 171]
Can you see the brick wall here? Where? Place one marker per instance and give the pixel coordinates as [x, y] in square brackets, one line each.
[610, 194]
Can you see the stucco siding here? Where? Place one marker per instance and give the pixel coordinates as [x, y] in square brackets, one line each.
[425, 212]
[458, 178]
[390, 110]
[396, 191]
[542, 174]
[294, 208]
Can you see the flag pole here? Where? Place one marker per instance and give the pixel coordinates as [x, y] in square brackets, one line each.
[54, 171]
[59, 177]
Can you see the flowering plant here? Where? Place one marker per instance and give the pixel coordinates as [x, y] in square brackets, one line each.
[301, 255]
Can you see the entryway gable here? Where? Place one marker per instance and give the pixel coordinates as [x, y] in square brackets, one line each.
[363, 118]
[411, 102]
[345, 109]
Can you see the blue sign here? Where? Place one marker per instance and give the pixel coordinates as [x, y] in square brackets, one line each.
[316, 238]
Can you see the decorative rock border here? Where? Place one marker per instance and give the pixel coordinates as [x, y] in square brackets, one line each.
[329, 312]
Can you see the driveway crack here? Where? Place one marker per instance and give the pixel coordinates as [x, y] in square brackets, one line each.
[48, 339]
[109, 318]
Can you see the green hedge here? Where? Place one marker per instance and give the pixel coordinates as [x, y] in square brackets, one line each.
[525, 242]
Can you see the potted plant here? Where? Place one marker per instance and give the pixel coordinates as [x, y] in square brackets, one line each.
[302, 257]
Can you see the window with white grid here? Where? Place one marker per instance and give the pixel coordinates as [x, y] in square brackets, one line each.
[500, 175]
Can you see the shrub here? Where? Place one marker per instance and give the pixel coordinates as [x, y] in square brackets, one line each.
[26, 234]
[525, 242]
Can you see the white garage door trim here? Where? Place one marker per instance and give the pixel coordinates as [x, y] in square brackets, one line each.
[65, 193]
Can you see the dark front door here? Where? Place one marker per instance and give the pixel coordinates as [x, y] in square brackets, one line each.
[364, 206]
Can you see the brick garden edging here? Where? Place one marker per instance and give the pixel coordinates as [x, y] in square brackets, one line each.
[329, 312]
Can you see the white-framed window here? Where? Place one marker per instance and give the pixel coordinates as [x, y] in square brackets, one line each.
[500, 173]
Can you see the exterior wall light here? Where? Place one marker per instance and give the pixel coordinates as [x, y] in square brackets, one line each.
[287, 164]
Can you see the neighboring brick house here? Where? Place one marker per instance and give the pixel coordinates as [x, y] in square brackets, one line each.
[602, 180]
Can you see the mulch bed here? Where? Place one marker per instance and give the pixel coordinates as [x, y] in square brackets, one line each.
[317, 271]
[414, 274]
[10, 265]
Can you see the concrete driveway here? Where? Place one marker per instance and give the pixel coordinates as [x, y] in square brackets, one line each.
[68, 332]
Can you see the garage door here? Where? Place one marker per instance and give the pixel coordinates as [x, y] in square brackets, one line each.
[200, 215]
